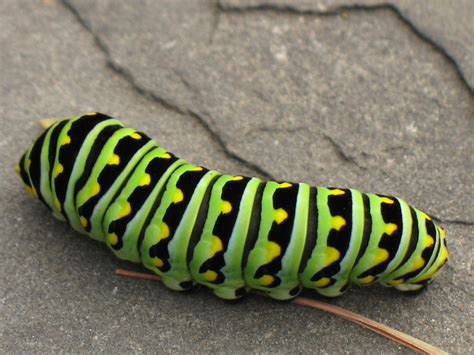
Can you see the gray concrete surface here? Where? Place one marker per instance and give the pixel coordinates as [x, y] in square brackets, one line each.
[373, 97]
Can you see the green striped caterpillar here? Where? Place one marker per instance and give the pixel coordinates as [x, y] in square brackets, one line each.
[191, 225]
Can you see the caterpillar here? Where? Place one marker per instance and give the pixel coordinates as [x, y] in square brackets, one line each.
[192, 225]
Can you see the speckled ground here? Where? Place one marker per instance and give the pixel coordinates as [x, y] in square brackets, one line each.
[375, 96]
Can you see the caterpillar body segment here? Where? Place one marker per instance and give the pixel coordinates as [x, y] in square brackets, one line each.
[193, 226]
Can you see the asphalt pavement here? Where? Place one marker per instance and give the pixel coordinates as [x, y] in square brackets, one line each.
[362, 94]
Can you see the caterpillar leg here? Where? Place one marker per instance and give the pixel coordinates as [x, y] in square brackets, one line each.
[230, 294]
[412, 287]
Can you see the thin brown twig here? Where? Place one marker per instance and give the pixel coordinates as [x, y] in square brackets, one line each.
[390, 333]
[379, 328]
[137, 275]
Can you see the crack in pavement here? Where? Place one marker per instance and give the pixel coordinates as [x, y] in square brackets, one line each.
[342, 9]
[167, 104]
[440, 220]
[267, 129]
[216, 20]
[341, 153]
[149, 94]
[434, 216]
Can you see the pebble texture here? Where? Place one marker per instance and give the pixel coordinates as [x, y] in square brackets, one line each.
[375, 97]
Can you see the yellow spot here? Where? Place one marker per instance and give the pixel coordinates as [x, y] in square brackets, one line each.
[216, 245]
[197, 168]
[93, 191]
[125, 211]
[425, 216]
[418, 263]
[280, 215]
[386, 200]
[114, 160]
[284, 185]
[136, 136]
[237, 178]
[226, 207]
[157, 261]
[28, 163]
[91, 113]
[145, 180]
[428, 241]
[66, 140]
[59, 169]
[31, 190]
[322, 282]
[83, 221]
[337, 222]
[380, 256]
[266, 280]
[336, 192]
[390, 228]
[57, 204]
[367, 279]
[165, 156]
[17, 169]
[273, 250]
[112, 238]
[210, 275]
[164, 231]
[178, 196]
[396, 282]
[332, 254]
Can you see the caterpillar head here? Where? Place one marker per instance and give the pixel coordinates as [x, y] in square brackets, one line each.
[22, 170]
[33, 171]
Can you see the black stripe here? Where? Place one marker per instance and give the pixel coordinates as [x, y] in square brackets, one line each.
[187, 182]
[391, 213]
[339, 205]
[200, 220]
[155, 206]
[35, 167]
[425, 254]
[367, 228]
[140, 195]
[93, 155]
[23, 173]
[117, 193]
[312, 231]
[53, 142]
[232, 192]
[413, 239]
[433, 232]
[254, 226]
[280, 233]
[68, 153]
[128, 149]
